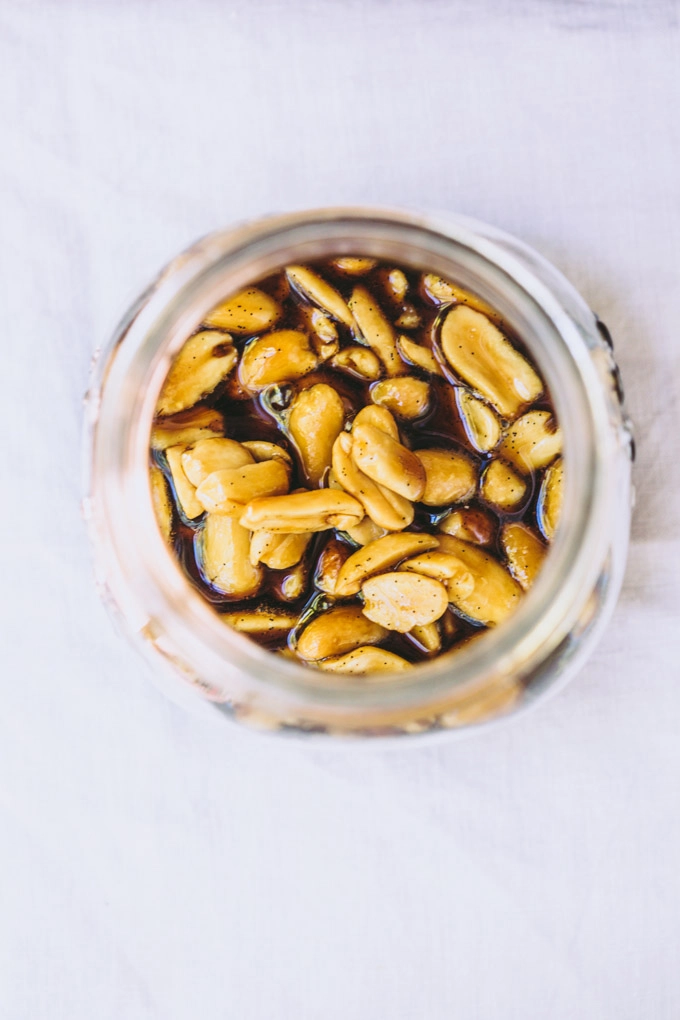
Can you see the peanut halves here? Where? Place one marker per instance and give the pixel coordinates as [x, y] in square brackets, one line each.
[359, 466]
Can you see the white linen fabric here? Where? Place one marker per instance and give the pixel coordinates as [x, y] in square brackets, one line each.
[155, 865]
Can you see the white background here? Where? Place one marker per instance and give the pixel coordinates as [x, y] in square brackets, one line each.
[156, 866]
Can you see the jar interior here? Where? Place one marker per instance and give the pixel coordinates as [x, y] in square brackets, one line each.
[221, 265]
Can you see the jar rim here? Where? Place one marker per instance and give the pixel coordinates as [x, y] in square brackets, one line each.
[144, 579]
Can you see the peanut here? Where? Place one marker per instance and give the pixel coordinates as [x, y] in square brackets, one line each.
[376, 329]
[401, 601]
[329, 565]
[260, 621]
[261, 450]
[276, 358]
[405, 396]
[422, 357]
[303, 511]
[324, 334]
[396, 284]
[317, 416]
[160, 498]
[203, 362]
[223, 554]
[549, 507]
[360, 362]
[387, 462]
[481, 356]
[186, 493]
[249, 311]
[443, 292]
[532, 441]
[502, 486]
[480, 421]
[450, 477]
[427, 637]
[278, 551]
[524, 551]
[367, 530]
[320, 293]
[379, 418]
[337, 631]
[354, 266]
[409, 318]
[475, 526]
[294, 584]
[365, 659]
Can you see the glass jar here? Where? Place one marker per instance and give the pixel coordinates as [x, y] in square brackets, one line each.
[544, 642]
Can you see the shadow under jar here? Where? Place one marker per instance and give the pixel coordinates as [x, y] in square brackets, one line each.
[160, 593]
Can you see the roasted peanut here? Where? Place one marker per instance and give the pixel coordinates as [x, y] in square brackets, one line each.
[480, 421]
[329, 565]
[443, 292]
[203, 362]
[278, 551]
[422, 357]
[209, 455]
[387, 462]
[367, 530]
[408, 319]
[294, 584]
[249, 311]
[228, 491]
[320, 293]
[496, 594]
[366, 659]
[276, 358]
[261, 450]
[427, 637]
[475, 526]
[550, 497]
[502, 486]
[532, 441]
[379, 418]
[186, 428]
[401, 601]
[337, 631]
[360, 362]
[376, 330]
[449, 624]
[481, 356]
[450, 477]
[524, 551]
[185, 492]
[405, 396]
[396, 284]
[324, 335]
[160, 498]
[303, 511]
[317, 416]
[379, 556]
[386, 508]
[354, 266]
[223, 554]
[260, 621]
